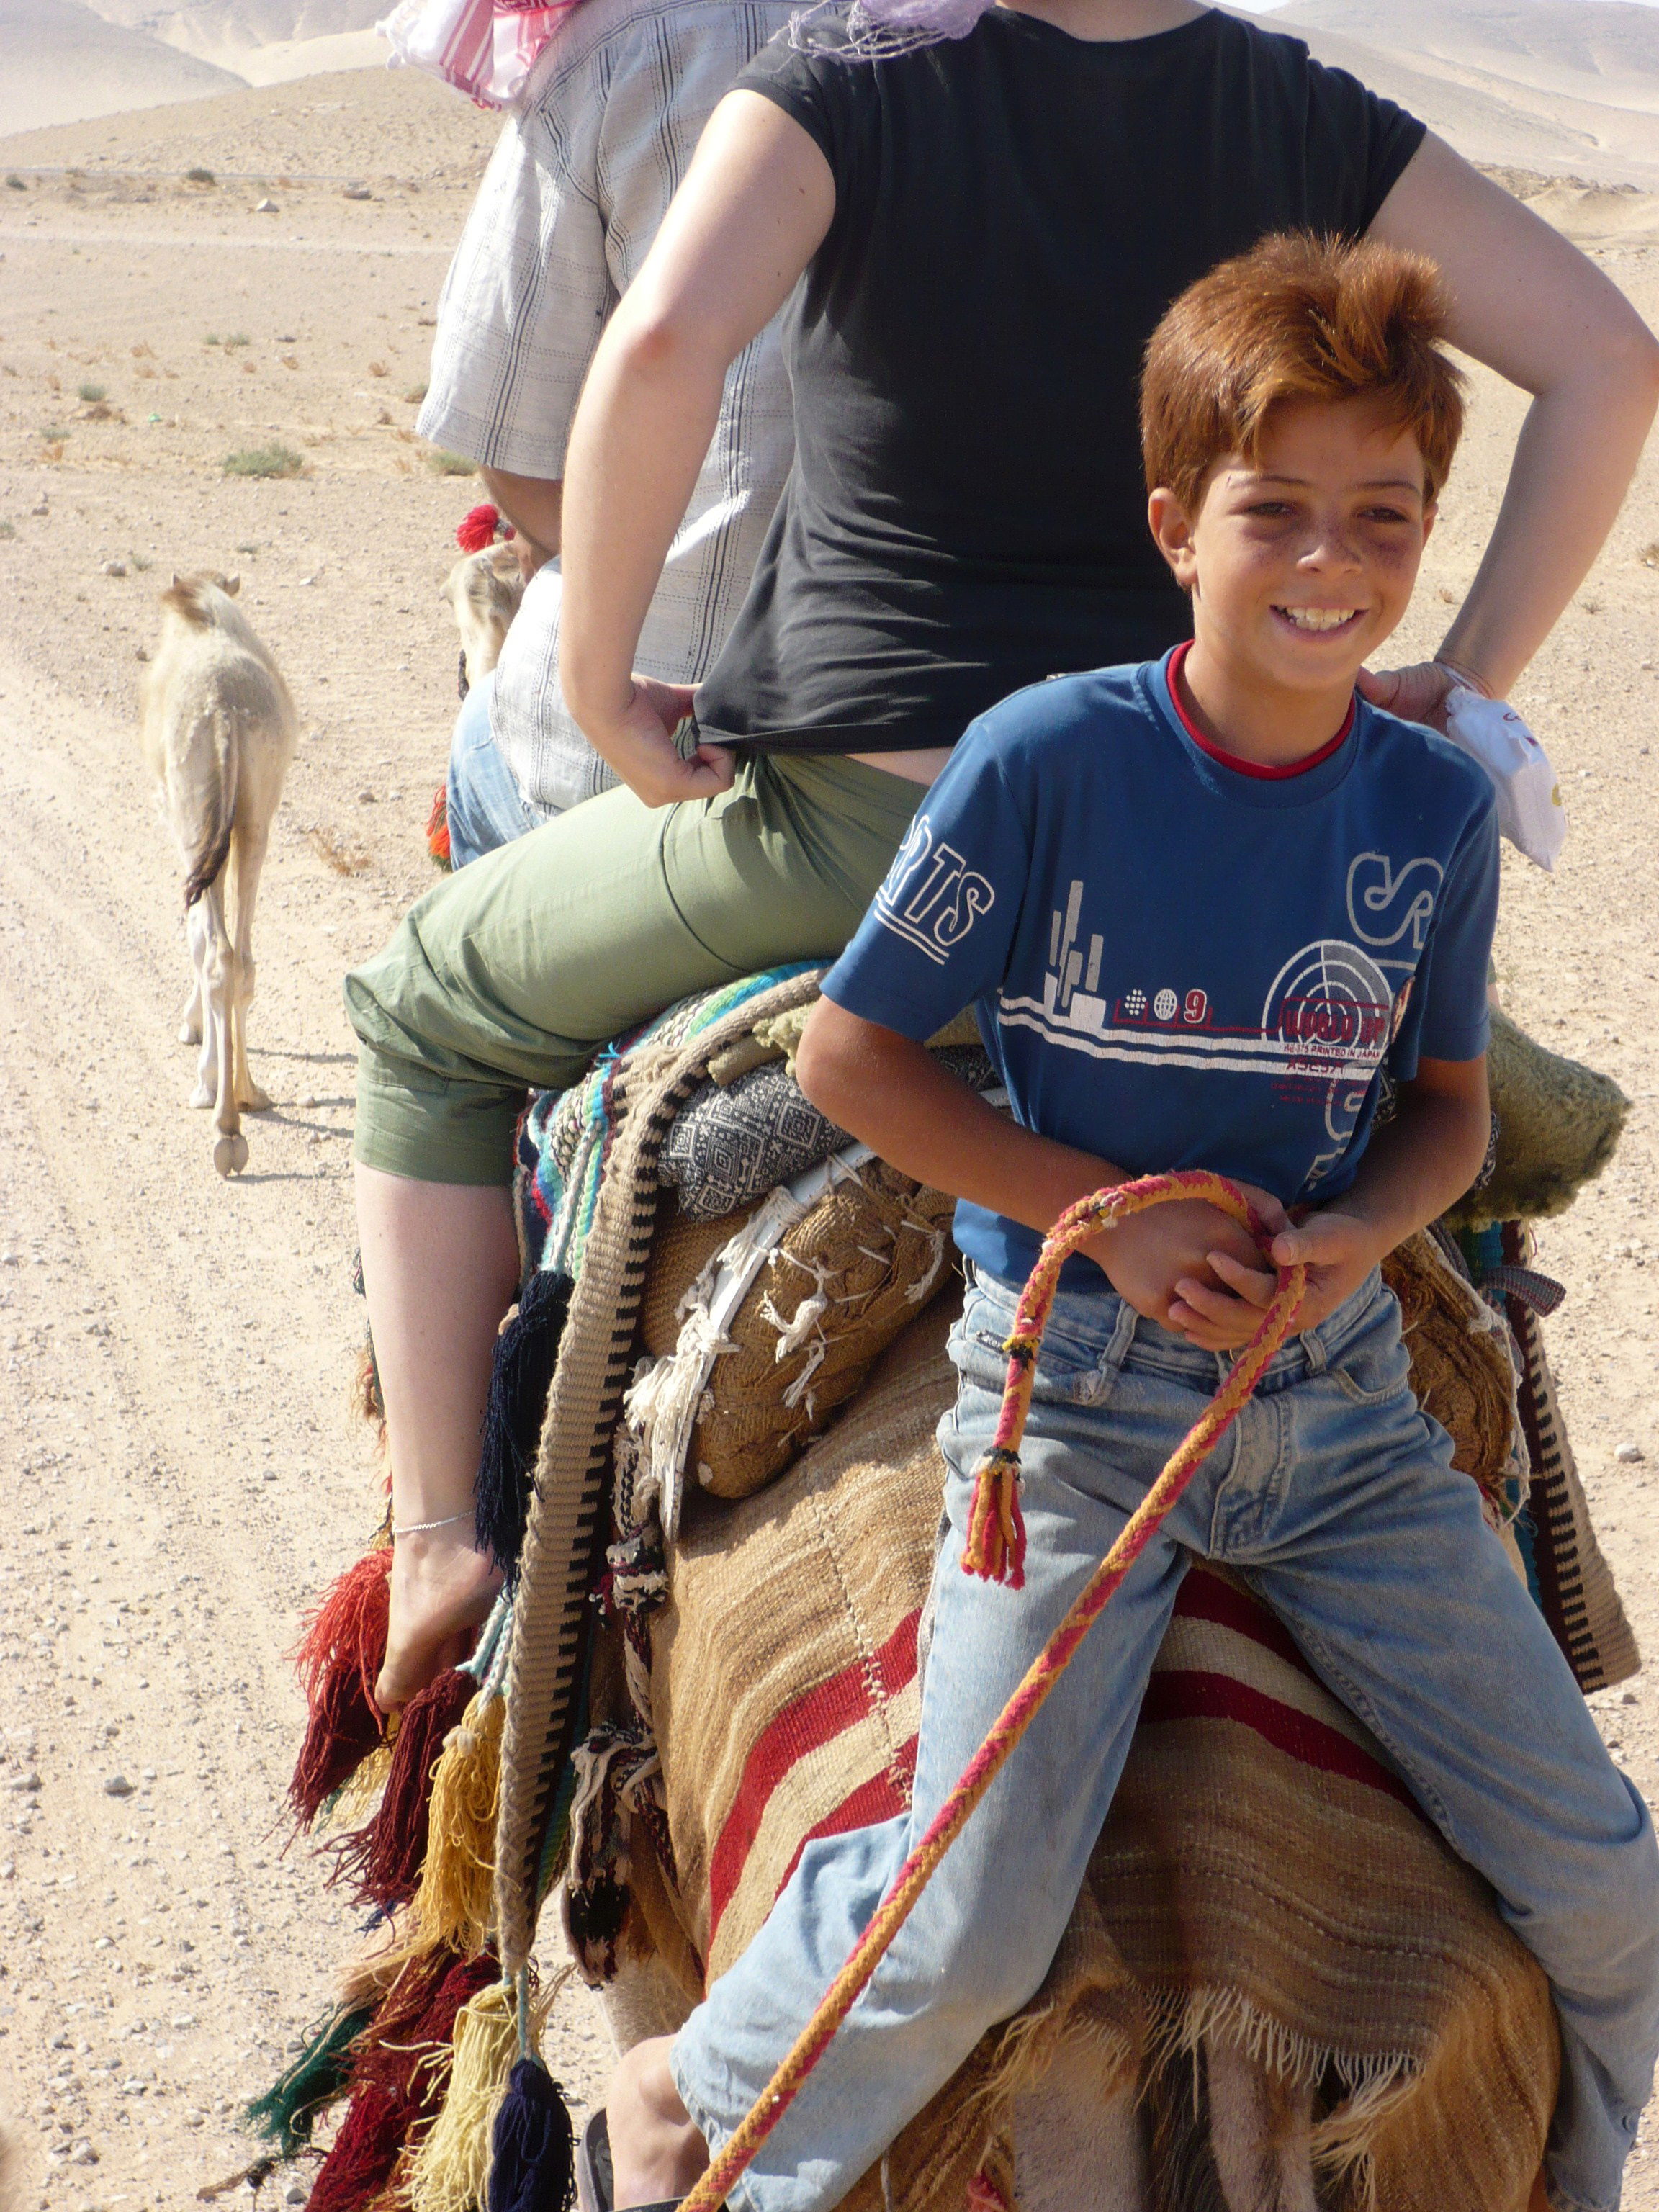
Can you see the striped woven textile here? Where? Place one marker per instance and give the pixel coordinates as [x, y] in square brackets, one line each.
[1571, 1578]
[569, 1507]
[1265, 1874]
[565, 1138]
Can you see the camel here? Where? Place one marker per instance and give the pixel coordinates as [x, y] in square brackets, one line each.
[482, 593]
[217, 728]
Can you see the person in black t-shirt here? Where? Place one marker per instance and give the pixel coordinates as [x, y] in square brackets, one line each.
[987, 230]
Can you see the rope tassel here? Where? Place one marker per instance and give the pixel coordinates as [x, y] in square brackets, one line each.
[534, 2168]
[337, 1661]
[453, 1902]
[291, 2107]
[1074, 1228]
[384, 1858]
[995, 1546]
[450, 2172]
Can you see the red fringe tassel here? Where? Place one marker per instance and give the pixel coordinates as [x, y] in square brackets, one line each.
[412, 2022]
[384, 1858]
[338, 1658]
[344, 1728]
[437, 829]
[359, 2165]
[347, 1627]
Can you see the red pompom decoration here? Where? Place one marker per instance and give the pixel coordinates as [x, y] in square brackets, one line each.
[480, 526]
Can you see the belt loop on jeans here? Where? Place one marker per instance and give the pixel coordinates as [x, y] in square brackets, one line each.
[1122, 1336]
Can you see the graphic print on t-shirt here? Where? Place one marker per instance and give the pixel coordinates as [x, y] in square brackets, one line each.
[931, 897]
[1326, 1021]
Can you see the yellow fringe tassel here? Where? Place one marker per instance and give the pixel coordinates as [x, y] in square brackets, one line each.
[453, 1903]
[450, 2172]
[356, 1799]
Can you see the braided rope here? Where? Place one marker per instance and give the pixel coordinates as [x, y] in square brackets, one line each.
[998, 1517]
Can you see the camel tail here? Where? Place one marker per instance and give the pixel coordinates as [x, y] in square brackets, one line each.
[214, 849]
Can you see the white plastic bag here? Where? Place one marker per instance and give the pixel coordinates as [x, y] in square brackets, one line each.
[1529, 810]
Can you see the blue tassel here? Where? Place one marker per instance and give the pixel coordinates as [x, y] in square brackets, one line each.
[533, 2165]
[520, 1377]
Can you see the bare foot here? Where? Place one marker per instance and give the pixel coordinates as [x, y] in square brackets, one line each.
[441, 1589]
[656, 2153]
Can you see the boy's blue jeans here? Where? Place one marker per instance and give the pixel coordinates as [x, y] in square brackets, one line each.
[1336, 1499]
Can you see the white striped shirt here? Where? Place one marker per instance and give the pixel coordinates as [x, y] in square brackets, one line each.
[574, 195]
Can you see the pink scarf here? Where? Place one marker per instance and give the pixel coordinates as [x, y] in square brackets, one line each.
[484, 48]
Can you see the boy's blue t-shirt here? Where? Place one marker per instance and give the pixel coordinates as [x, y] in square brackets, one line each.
[1177, 962]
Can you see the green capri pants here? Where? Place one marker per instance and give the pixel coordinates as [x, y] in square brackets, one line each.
[513, 973]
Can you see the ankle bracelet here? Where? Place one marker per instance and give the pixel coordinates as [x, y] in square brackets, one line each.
[420, 1528]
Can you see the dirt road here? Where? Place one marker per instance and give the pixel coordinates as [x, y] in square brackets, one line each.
[180, 1472]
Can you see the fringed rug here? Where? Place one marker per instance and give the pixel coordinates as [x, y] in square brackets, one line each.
[1264, 1876]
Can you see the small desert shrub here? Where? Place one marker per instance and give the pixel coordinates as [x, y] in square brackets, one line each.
[272, 460]
[212, 338]
[416, 393]
[378, 368]
[6, 529]
[335, 852]
[237, 338]
[450, 464]
[141, 562]
[92, 393]
[53, 433]
[17, 182]
[248, 547]
[200, 176]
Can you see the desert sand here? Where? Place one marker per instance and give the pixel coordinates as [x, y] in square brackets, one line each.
[181, 1473]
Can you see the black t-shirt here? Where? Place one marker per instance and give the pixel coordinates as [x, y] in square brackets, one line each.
[1014, 212]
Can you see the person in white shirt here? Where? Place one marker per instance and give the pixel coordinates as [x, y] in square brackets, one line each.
[569, 207]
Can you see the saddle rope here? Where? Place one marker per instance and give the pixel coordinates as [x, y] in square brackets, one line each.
[995, 1551]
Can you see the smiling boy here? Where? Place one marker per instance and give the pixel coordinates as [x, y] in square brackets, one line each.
[1209, 910]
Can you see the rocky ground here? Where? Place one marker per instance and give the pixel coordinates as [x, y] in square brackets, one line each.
[181, 1473]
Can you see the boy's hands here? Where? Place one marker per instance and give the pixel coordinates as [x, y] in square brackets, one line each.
[1338, 1250]
[1193, 1267]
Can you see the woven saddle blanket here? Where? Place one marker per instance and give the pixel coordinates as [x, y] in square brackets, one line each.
[1264, 1873]
[1241, 1753]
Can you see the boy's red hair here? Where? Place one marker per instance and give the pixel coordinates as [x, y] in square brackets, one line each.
[1297, 318]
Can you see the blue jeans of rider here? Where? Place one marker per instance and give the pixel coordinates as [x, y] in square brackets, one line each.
[1336, 1499]
[485, 805]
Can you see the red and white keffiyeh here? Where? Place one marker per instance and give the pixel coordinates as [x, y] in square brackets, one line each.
[484, 48]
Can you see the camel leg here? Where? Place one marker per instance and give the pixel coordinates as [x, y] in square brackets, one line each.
[248, 858]
[200, 931]
[190, 1014]
[1261, 2133]
[1076, 2150]
[643, 2000]
[230, 1146]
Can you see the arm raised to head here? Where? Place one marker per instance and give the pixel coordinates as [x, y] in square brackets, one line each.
[1529, 304]
[756, 203]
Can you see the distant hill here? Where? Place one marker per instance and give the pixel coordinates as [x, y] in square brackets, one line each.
[59, 63]
[1610, 49]
[223, 31]
[1563, 87]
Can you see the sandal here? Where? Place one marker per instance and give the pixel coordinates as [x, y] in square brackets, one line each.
[596, 2188]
